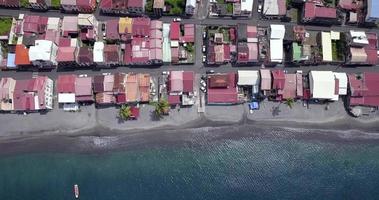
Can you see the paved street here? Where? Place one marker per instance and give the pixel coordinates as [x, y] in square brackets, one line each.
[201, 21]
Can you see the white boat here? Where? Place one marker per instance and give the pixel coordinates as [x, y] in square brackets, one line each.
[76, 191]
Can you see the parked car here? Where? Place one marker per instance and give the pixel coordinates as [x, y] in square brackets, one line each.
[165, 73]
[204, 34]
[203, 89]
[82, 75]
[106, 73]
[103, 27]
[177, 19]
[260, 8]
[210, 71]
[204, 59]
[204, 49]
[202, 82]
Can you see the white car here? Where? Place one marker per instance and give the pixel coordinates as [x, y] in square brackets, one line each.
[177, 19]
[204, 34]
[204, 49]
[259, 8]
[204, 58]
[203, 89]
[165, 73]
[82, 75]
[202, 82]
[106, 73]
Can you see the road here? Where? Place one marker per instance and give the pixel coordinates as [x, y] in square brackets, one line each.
[201, 21]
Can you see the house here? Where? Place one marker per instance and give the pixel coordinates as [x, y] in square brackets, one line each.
[180, 88]
[274, 9]
[33, 24]
[123, 7]
[247, 46]
[9, 3]
[85, 56]
[83, 90]
[222, 89]
[190, 7]
[362, 48]
[112, 33]
[103, 89]
[65, 88]
[98, 53]
[266, 80]
[144, 87]
[34, 94]
[86, 6]
[66, 56]
[43, 54]
[125, 25]
[7, 86]
[69, 6]
[136, 7]
[22, 56]
[87, 21]
[277, 33]
[363, 89]
[112, 54]
[40, 4]
[70, 26]
[158, 6]
[324, 85]
[372, 15]
[246, 8]
[315, 13]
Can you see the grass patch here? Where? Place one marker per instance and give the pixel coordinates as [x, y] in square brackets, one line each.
[55, 4]
[149, 6]
[24, 3]
[5, 25]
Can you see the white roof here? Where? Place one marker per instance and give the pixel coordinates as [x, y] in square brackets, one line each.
[43, 50]
[359, 37]
[53, 23]
[191, 3]
[247, 5]
[66, 98]
[271, 7]
[166, 30]
[322, 85]
[326, 46]
[86, 20]
[276, 50]
[98, 52]
[248, 77]
[342, 82]
[74, 42]
[277, 31]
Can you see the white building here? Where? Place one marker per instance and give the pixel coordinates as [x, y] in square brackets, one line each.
[98, 53]
[248, 77]
[247, 7]
[190, 7]
[277, 33]
[327, 85]
[43, 53]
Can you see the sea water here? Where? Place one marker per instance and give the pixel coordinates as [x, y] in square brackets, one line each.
[235, 169]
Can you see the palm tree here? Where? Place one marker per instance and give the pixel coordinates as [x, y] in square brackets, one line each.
[162, 108]
[289, 102]
[125, 112]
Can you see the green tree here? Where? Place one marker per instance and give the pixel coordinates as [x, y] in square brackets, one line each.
[176, 11]
[189, 47]
[149, 6]
[125, 112]
[289, 102]
[161, 108]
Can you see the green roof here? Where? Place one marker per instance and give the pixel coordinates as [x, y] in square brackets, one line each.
[296, 51]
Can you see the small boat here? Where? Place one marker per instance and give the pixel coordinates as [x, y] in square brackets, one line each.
[76, 191]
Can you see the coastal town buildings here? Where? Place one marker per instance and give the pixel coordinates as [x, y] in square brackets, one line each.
[222, 89]
[231, 8]
[181, 88]
[40, 4]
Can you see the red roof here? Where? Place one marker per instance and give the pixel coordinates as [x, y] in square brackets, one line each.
[289, 90]
[188, 81]
[173, 99]
[364, 90]
[175, 31]
[66, 83]
[22, 55]
[141, 26]
[312, 11]
[278, 79]
[135, 3]
[223, 95]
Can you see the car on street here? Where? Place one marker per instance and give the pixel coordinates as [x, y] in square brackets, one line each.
[204, 49]
[103, 27]
[204, 59]
[177, 19]
[259, 8]
[204, 35]
[202, 82]
[106, 73]
[82, 75]
[203, 89]
[165, 73]
[210, 71]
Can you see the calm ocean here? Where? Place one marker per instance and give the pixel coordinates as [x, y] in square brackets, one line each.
[246, 168]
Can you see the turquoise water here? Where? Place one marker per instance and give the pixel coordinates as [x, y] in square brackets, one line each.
[248, 168]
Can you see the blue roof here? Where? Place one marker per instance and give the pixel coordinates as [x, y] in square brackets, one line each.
[254, 105]
[10, 60]
[374, 9]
